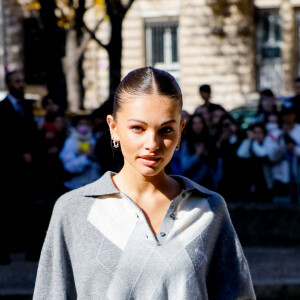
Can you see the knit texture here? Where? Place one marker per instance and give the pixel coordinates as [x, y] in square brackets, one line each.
[100, 246]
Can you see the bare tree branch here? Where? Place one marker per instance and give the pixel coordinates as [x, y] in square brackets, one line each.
[130, 2]
[86, 38]
[93, 35]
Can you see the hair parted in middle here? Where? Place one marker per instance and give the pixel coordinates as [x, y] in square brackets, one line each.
[147, 81]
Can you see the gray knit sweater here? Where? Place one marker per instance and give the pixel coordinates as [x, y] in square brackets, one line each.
[100, 246]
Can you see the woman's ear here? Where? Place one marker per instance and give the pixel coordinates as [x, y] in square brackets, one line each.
[182, 125]
[112, 127]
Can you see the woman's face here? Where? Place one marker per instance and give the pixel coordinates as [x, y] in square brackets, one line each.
[228, 126]
[216, 116]
[197, 125]
[258, 134]
[60, 124]
[148, 128]
[267, 103]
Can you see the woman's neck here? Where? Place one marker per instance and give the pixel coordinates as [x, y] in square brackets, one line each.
[135, 185]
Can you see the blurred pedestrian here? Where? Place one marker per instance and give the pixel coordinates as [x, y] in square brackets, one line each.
[266, 106]
[216, 115]
[194, 152]
[286, 171]
[208, 106]
[257, 164]
[296, 99]
[18, 134]
[78, 154]
[226, 162]
[51, 108]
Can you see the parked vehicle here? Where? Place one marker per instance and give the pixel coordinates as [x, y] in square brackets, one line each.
[243, 114]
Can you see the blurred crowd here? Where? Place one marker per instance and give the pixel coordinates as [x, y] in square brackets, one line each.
[258, 164]
[44, 156]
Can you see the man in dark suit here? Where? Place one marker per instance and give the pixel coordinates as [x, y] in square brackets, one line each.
[18, 135]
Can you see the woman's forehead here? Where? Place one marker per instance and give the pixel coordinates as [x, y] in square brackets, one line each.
[150, 103]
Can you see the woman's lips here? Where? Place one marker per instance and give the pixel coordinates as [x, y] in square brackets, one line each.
[149, 160]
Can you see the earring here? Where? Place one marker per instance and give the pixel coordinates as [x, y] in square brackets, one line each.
[116, 144]
[178, 145]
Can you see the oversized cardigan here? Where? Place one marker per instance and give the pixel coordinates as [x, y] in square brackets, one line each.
[99, 245]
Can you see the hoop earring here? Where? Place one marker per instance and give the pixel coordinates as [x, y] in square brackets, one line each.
[116, 144]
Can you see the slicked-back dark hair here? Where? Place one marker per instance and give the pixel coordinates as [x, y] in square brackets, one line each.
[147, 81]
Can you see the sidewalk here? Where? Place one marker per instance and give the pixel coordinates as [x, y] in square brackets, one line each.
[17, 278]
[275, 273]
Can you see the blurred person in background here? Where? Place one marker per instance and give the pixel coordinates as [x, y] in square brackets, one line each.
[203, 111]
[208, 107]
[194, 152]
[48, 166]
[227, 164]
[273, 123]
[286, 155]
[296, 99]
[51, 108]
[18, 134]
[78, 154]
[257, 170]
[217, 113]
[205, 94]
[266, 106]
[52, 136]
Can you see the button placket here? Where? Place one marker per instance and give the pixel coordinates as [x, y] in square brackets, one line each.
[173, 216]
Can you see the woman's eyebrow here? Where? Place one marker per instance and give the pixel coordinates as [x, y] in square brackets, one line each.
[136, 120]
[167, 122]
[143, 122]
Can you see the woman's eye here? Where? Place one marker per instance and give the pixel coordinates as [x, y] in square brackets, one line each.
[166, 130]
[136, 128]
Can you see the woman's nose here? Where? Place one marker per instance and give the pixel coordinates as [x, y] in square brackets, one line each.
[152, 142]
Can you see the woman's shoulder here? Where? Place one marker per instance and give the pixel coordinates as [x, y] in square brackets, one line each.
[215, 200]
[69, 204]
[84, 196]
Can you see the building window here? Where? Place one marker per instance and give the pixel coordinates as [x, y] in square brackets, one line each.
[161, 44]
[268, 51]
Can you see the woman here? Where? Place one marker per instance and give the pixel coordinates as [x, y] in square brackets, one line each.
[228, 167]
[78, 155]
[266, 106]
[141, 234]
[194, 153]
[255, 150]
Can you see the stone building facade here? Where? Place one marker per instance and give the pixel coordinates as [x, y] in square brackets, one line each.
[237, 46]
[11, 51]
[211, 46]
